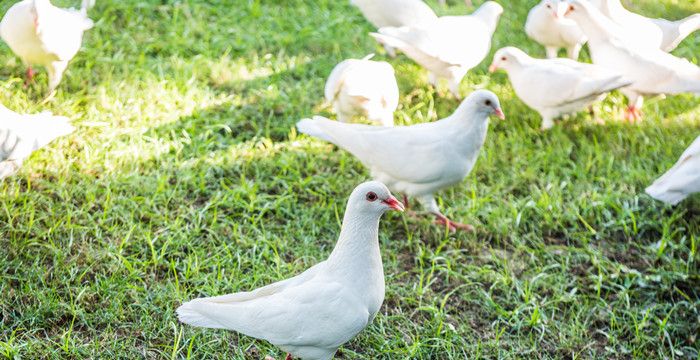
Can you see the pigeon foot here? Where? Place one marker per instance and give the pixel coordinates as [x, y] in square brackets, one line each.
[405, 201]
[453, 226]
[633, 114]
[30, 76]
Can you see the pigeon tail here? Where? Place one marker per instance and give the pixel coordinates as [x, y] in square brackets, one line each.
[683, 28]
[188, 313]
[386, 38]
[312, 127]
[669, 197]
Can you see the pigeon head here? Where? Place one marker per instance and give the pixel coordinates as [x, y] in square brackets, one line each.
[578, 9]
[507, 58]
[489, 12]
[483, 102]
[557, 8]
[373, 197]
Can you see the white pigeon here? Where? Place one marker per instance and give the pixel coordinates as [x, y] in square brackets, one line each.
[312, 314]
[22, 134]
[449, 46]
[363, 87]
[421, 159]
[43, 34]
[681, 180]
[382, 13]
[547, 25]
[661, 33]
[651, 71]
[555, 87]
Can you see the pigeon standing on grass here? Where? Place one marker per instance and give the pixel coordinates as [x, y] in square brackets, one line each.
[449, 46]
[363, 87]
[555, 87]
[22, 134]
[547, 25]
[312, 314]
[661, 33]
[382, 13]
[421, 159]
[651, 71]
[43, 34]
[681, 180]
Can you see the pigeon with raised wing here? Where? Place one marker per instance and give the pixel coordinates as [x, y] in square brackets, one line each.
[382, 13]
[43, 34]
[661, 33]
[555, 87]
[449, 46]
[547, 25]
[421, 159]
[312, 314]
[363, 87]
[681, 180]
[651, 71]
[22, 134]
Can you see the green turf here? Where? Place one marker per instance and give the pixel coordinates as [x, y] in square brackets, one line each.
[185, 178]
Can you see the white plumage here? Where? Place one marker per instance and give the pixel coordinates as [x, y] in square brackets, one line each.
[661, 33]
[421, 159]
[22, 134]
[315, 312]
[547, 25]
[555, 87]
[449, 46]
[651, 71]
[43, 34]
[681, 180]
[382, 13]
[363, 87]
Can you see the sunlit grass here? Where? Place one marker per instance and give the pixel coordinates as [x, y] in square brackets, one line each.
[186, 178]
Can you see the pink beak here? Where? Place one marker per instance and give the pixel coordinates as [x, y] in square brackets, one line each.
[499, 113]
[493, 67]
[394, 204]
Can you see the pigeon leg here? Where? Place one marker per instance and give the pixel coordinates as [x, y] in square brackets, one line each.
[30, 76]
[289, 357]
[433, 80]
[547, 123]
[390, 51]
[552, 52]
[574, 51]
[453, 226]
[454, 88]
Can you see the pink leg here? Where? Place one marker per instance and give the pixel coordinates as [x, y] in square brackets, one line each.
[289, 357]
[30, 76]
[405, 201]
[633, 114]
[453, 226]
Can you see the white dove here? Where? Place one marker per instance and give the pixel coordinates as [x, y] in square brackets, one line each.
[650, 70]
[546, 25]
[449, 46]
[681, 180]
[421, 159]
[42, 34]
[383, 13]
[555, 87]
[312, 314]
[363, 87]
[661, 33]
[22, 134]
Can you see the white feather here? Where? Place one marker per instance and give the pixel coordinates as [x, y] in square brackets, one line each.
[681, 180]
[546, 24]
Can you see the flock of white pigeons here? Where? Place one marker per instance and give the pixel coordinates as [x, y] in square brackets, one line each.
[299, 315]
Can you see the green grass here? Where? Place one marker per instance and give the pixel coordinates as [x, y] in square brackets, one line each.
[185, 178]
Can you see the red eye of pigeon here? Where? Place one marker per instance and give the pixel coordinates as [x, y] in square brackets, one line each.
[371, 196]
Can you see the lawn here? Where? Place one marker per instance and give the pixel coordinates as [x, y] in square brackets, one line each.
[186, 178]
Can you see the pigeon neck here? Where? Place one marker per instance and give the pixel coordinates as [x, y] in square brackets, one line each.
[358, 243]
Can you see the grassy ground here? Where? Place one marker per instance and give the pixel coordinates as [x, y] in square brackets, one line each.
[185, 178]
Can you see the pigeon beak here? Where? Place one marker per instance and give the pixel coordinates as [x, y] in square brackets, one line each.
[499, 113]
[493, 67]
[394, 204]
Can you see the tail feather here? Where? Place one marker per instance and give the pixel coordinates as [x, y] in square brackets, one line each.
[313, 128]
[388, 40]
[188, 313]
[664, 195]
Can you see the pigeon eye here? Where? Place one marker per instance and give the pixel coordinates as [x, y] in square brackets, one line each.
[488, 103]
[503, 58]
[371, 196]
[549, 6]
[571, 8]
